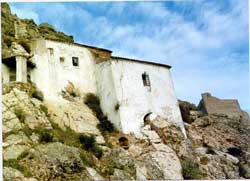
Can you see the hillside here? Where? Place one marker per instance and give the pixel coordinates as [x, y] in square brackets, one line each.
[73, 139]
[19, 30]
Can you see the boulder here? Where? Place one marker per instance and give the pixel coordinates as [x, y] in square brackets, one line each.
[141, 172]
[74, 115]
[218, 167]
[94, 174]
[245, 169]
[150, 135]
[195, 115]
[220, 133]
[55, 161]
[167, 160]
[135, 150]
[229, 157]
[119, 174]
[169, 132]
[13, 151]
[19, 103]
[156, 162]
[13, 139]
[10, 121]
[14, 145]
[119, 163]
[10, 174]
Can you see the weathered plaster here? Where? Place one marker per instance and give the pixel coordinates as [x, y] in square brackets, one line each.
[134, 99]
[21, 69]
[118, 82]
[107, 93]
[51, 75]
[5, 74]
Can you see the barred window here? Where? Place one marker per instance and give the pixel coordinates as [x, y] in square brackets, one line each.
[75, 61]
[145, 79]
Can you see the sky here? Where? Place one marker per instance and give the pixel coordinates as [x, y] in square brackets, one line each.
[205, 41]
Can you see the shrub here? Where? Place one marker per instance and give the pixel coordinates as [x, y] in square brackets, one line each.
[45, 136]
[87, 141]
[190, 169]
[91, 98]
[8, 40]
[38, 95]
[204, 160]
[93, 102]
[106, 125]
[20, 114]
[109, 144]
[87, 159]
[117, 106]
[44, 109]
[23, 155]
[13, 163]
[26, 130]
[97, 151]
[25, 45]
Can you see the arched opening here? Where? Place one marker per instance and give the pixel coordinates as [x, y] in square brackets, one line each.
[123, 141]
[146, 117]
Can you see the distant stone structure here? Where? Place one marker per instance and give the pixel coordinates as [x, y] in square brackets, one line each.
[213, 105]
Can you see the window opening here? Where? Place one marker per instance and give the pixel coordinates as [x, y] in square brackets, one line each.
[75, 61]
[146, 80]
[51, 51]
[62, 60]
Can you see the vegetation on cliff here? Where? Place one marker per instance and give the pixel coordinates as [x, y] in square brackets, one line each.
[21, 31]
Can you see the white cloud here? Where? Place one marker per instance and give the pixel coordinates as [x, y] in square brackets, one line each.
[202, 58]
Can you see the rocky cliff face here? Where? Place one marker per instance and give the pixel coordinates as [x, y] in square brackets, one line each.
[41, 141]
[44, 141]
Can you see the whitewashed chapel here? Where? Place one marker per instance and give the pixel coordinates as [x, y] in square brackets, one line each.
[128, 89]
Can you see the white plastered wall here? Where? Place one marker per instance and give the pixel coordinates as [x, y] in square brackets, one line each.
[134, 98]
[5, 74]
[106, 92]
[52, 76]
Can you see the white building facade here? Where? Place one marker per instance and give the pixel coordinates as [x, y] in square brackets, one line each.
[128, 89]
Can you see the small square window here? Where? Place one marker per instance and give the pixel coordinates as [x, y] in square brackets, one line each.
[75, 61]
[62, 59]
[51, 51]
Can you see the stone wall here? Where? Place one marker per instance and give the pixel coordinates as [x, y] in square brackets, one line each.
[213, 105]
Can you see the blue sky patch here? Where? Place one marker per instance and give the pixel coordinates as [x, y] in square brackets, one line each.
[205, 41]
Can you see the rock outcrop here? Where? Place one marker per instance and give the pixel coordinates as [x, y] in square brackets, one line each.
[41, 143]
[46, 135]
[21, 31]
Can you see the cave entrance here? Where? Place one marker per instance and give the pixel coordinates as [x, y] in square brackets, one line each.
[234, 151]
